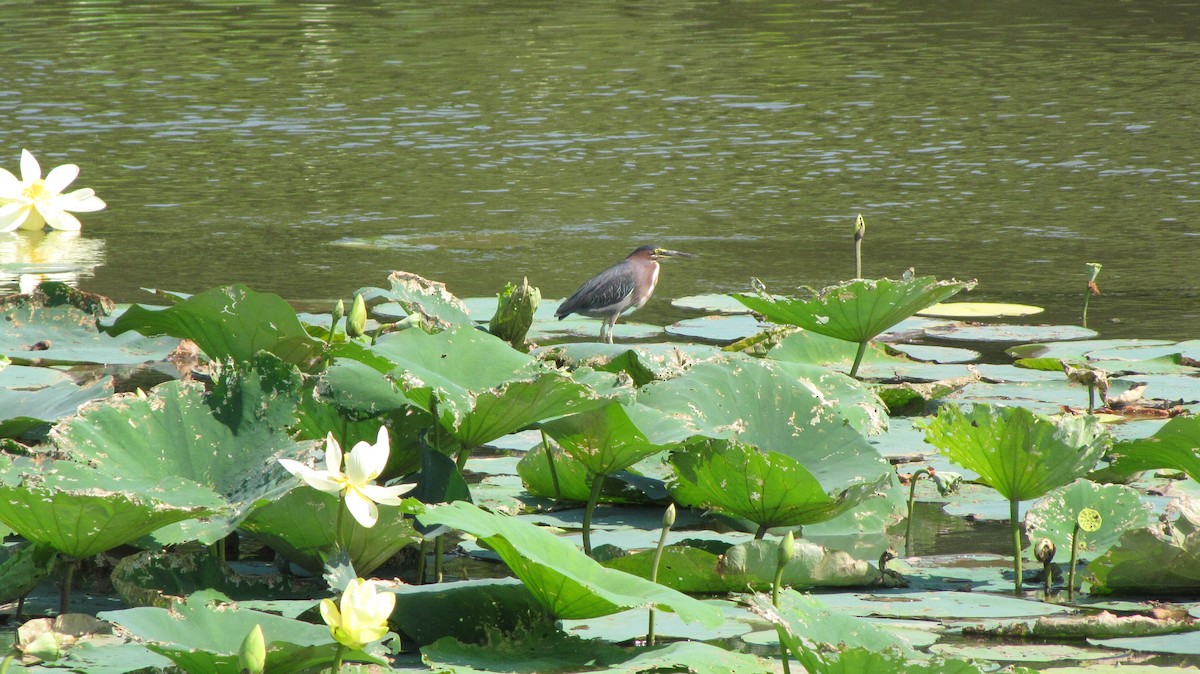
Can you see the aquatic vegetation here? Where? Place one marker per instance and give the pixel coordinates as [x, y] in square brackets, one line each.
[1018, 453]
[856, 311]
[34, 202]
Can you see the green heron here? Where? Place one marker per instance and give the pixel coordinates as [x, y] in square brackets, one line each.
[621, 288]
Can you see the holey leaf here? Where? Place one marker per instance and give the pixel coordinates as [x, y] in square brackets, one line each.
[612, 438]
[82, 512]
[567, 583]
[767, 488]
[1120, 508]
[1018, 453]
[858, 310]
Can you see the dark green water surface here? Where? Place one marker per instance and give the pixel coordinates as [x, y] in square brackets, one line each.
[307, 148]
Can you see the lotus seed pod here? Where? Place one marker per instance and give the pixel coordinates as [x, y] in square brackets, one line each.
[356, 322]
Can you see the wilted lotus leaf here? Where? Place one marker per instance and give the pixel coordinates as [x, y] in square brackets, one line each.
[1119, 507]
[230, 322]
[567, 583]
[1160, 559]
[300, 526]
[81, 512]
[768, 488]
[173, 431]
[859, 310]
[428, 299]
[1172, 446]
[204, 638]
[56, 325]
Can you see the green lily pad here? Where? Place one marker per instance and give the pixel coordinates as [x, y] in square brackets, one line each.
[229, 322]
[1147, 351]
[24, 410]
[1186, 644]
[1023, 652]
[804, 346]
[1159, 559]
[467, 610]
[938, 605]
[566, 582]
[1010, 333]
[630, 626]
[805, 616]
[1054, 516]
[608, 439]
[859, 660]
[57, 325]
[429, 299]
[714, 304]
[720, 329]
[1172, 446]
[205, 638]
[1079, 349]
[936, 354]
[975, 310]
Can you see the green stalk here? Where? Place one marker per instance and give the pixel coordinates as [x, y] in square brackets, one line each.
[762, 531]
[1091, 394]
[862, 349]
[553, 470]
[787, 550]
[860, 231]
[337, 659]
[64, 599]
[1016, 538]
[912, 495]
[439, 545]
[337, 531]
[12, 653]
[668, 520]
[421, 563]
[593, 499]
[1071, 569]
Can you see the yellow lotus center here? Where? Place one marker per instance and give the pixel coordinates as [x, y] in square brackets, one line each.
[37, 191]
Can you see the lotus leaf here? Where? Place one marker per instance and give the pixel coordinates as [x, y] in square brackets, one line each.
[574, 480]
[1173, 446]
[1054, 516]
[229, 322]
[436, 305]
[859, 310]
[466, 610]
[975, 310]
[1020, 454]
[204, 638]
[768, 488]
[152, 578]
[82, 512]
[608, 439]
[56, 324]
[804, 616]
[172, 431]
[718, 329]
[859, 660]
[24, 410]
[22, 567]
[300, 526]
[1159, 559]
[566, 582]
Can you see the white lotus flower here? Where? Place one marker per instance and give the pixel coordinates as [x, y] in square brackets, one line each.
[32, 203]
[357, 485]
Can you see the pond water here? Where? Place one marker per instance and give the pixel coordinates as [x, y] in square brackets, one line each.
[308, 148]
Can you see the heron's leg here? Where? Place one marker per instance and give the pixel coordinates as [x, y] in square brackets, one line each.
[608, 323]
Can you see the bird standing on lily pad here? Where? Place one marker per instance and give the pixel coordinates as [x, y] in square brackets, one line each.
[622, 288]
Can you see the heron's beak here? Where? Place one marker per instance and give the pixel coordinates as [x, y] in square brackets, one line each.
[663, 252]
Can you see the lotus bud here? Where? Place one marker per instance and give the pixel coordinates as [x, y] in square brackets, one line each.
[339, 310]
[860, 228]
[947, 483]
[1044, 550]
[514, 312]
[356, 322]
[252, 657]
[1093, 271]
[668, 519]
[787, 549]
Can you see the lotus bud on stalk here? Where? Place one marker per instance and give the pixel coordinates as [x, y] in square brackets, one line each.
[252, 656]
[668, 521]
[1044, 552]
[1092, 289]
[339, 310]
[514, 312]
[860, 232]
[356, 322]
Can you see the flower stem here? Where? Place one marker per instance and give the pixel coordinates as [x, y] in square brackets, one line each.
[912, 495]
[1071, 569]
[1016, 538]
[658, 552]
[553, 470]
[593, 499]
[439, 545]
[337, 531]
[337, 658]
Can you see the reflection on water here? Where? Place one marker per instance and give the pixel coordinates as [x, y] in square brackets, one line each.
[28, 258]
[308, 148]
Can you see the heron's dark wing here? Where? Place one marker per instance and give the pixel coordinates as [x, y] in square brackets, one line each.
[602, 295]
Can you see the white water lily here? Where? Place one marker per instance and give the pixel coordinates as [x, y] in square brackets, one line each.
[357, 484]
[33, 202]
[362, 616]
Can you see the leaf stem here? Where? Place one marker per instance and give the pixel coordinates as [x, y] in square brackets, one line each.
[658, 553]
[593, 499]
[1071, 569]
[858, 357]
[64, 599]
[912, 495]
[553, 470]
[1016, 538]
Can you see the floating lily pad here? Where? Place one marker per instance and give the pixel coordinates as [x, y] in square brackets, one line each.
[936, 354]
[24, 410]
[938, 605]
[805, 616]
[720, 329]
[979, 310]
[57, 325]
[1023, 652]
[716, 304]
[1147, 351]
[1010, 333]
[629, 626]
[1079, 349]
[1186, 644]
